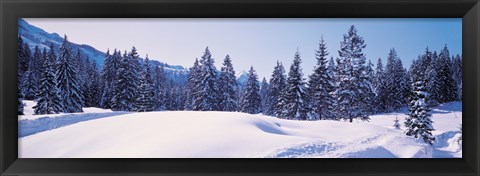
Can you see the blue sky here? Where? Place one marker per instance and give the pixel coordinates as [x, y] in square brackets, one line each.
[258, 42]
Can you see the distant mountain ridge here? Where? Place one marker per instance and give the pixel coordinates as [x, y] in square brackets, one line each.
[35, 36]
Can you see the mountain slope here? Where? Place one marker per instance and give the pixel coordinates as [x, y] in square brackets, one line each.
[35, 36]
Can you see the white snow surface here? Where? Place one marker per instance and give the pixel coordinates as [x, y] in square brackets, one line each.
[187, 134]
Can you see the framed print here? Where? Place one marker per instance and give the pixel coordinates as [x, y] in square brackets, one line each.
[247, 87]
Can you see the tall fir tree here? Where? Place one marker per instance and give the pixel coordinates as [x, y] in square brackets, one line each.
[264, 95]
[457, 75]
[369, 95]
[37, 66]
[381, 96]
[352, 83]
[295, 106]
[320, 85]
[23, 59]
[251, 101]
[433, 81]
[145, 96]
[124, 87]
[444, 73]
[94, 85]
[29, 82]
[275, 91]
[48, 101]
[228, 87]
[192, 84]
[67, 79]
[393, 79]
[419, 122]
[108, 78]
[206, 98]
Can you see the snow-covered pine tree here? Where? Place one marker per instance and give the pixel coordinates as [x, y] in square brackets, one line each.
[67, 79]
[396, 124]
[444, 74]
[29, 82]
[433, 81]
[20, 104]
[320, 84]
[418, 121]
[37, 67]
[228, 87]
[108, 78]
[145, 97]
[159, 88]
[23, 60]
[207, 96]
[82, 75]
[369, 95]
[192, 83]
[48, 101]
[381, 97]
[124, 86]
[137, 68]
[251, 100]
[94, 85]
[264, 95]
[457, 75]
[332, 72]
[296, 105]
[352, 83]
[405, 86]
[275, 91]
[393, 79]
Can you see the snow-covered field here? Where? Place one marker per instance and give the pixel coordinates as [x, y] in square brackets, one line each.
[99, 133]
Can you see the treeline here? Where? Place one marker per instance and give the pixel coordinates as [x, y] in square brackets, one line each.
[345, 87]
[59, 80]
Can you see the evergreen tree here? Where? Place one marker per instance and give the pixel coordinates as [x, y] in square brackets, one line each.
[20, 104]
[192, 83]
[93, 86]
[457, 75]
[207, 95]
[396, 124]
[320, 85]
[381, 97]
[23, 59]
[296, 106]
[433, 81]
[29, 82]
[67, 79]
[228, 87]
[419, 122]
[145, 97]
[275, 91]
[264, 95]
[108, 77]
[124, 86]
[37, 66]
[49, 101]
[251, 101]
[369, 95]
[353, 85]
[393, 79]
[444, 73]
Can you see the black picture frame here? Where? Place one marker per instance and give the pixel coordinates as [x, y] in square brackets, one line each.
[11, 10]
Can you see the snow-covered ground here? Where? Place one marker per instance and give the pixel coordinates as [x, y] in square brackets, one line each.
[99, 133]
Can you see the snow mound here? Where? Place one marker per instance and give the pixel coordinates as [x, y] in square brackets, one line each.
[187, 134]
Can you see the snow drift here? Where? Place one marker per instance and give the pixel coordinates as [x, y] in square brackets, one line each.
[180, 134]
